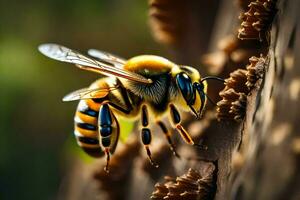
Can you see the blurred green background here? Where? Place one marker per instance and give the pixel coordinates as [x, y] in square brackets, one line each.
[36, 140]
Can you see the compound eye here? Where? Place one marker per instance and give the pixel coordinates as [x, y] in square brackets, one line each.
[185, 85]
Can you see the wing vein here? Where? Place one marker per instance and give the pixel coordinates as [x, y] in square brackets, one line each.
[64, 54]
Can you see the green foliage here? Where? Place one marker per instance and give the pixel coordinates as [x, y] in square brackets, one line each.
[126, 129]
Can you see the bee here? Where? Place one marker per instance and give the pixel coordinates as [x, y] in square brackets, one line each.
[145, 88]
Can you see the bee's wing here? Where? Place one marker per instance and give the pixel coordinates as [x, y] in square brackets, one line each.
[107, 57]
[64, 54]
[88, 93]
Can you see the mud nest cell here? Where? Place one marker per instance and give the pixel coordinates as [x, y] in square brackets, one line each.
[257, 20]
[234, 97]
[237, 81]
[190, 186]
[232, 106]
[255, 70]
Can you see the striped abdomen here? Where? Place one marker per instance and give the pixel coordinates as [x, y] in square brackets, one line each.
[87, 124]
[86, 128]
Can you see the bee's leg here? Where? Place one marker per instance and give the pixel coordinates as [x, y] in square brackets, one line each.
[109, 132]
[175, 116]
[168, 137]
[107, 153]
[146, 134]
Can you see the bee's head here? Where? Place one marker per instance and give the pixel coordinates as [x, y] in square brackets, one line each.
[189, 90]
[193, 89]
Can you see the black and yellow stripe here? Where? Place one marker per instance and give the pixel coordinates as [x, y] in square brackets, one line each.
[86, 120]
[85, 124]
[86, 130]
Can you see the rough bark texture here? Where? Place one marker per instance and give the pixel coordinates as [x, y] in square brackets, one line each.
[270, 146]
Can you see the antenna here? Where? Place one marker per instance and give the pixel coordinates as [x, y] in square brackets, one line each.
[213, 78]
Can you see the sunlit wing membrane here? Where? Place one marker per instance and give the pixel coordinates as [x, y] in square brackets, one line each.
[107, 57]
[87, 93]
[64, 54]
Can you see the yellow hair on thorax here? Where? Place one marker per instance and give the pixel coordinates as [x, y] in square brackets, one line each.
[148, 62]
